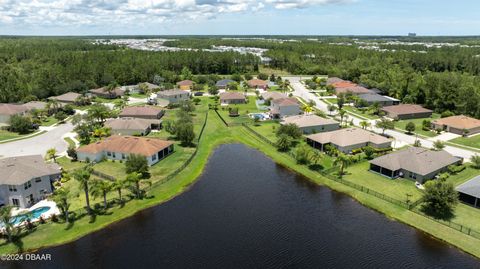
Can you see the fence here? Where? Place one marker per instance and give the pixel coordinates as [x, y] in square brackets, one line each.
[410, 206]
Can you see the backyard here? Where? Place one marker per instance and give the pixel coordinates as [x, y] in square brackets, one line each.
[243, 111]
[401, 125]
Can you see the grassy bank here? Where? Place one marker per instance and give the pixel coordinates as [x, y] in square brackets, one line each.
[216, 133]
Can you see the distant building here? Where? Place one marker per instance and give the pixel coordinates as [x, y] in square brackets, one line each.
[152, 114]
[407, 111]
[228, 98]
[119, 147]
[108, 94]
[348, 139]
[458, 125]
[174, 96]
[67, 98]
[257, 84]
[185, 85]
[272, 95]
[129, 126]
[371, 98]
[8, 110]
[26, 180]
[311, 124]
[222, 84]
[414, 163]
[412, 34]
[35, 105]
[283, 107]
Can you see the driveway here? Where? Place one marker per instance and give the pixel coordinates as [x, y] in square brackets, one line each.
[38, 144]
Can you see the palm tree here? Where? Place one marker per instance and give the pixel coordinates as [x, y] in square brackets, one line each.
[135, 179]
[342, 113]
[307, 109]
[52, 154]
[315, 156]
[119, 185]
[5, 218]
[365, 124]
[83, 177]
[101, 188]
[53, 106]
[60, 197]
[331, 108]
[475, 159]
[342, 161]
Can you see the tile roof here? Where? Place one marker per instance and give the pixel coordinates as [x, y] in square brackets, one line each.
[373, 97]
[172, 92]
[232, 96]
[118, 91]
[348, 136]
[185, 83]
[308, 120]
[66, 97]
[272, 95]
[406, 109]
[458, 122]
[35, 105]
[343, 84]
[12, 109]
[137, 111]
[127, 144]
[18, 170]
[128, 124]
[417, 160]
[355, 89]
[149, 85]
[332, 80]
[471, 187]
[288, 101]
[257, 82]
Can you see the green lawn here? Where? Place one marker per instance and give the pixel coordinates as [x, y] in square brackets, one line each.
[364, 113]
[5, 135]
[267, 129]
[70, 142]
[463, 176]
[395, 188]
[49, 121]
[473, 141]
[243, 110]
[215, 134]
[401, 124]
[138, 95]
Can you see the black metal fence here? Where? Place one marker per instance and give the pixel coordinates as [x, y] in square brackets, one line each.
[412, 206]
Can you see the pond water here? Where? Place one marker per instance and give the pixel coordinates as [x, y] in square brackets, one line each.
[248, 212]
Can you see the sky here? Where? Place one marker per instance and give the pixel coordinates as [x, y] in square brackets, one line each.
[239, 17]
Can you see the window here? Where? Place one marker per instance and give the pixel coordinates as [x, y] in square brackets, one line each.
[113, 154]
[109, 153]
[12, 188]
[38, 179]
[15, 202]
[123, 156]
[27, 185]
[154, 157]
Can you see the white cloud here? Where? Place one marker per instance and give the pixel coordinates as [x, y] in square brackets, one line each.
[100, 12]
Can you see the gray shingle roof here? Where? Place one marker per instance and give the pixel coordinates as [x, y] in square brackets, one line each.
[224, 82]
[349, 136]
[18, 170]
[417, 160]
[373, 97]
[471, 187]
[308, 120]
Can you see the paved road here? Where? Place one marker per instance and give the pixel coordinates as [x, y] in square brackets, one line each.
[38, 144]
[400, 138]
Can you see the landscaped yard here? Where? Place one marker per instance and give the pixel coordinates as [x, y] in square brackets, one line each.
[401, 125]
[5, 135]
[49, 121]
[395, 188]
[364, 113]
[243, 111]
[473, 141]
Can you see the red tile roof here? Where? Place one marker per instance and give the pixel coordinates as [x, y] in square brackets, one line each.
[127, 144]
[137, 111]
[185, 83]
[459, 122]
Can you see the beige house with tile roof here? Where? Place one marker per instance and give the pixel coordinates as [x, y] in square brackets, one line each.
[129, 126]
[407, 111]
[458, 125]
[8, 110]
[228, 98]
[311, 124]
[348, 139]
[26, 180]
[68, 98]
[414, 163]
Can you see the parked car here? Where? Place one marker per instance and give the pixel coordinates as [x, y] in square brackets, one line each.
[198, 93]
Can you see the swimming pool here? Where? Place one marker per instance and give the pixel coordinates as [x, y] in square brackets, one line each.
[260, 116]
[32, 215]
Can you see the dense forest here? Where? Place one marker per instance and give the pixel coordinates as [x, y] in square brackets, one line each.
[41, 67]
[444, 78]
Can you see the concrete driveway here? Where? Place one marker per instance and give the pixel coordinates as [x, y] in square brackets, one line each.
[38, 144]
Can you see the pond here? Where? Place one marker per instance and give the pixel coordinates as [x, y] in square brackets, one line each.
[248, 212]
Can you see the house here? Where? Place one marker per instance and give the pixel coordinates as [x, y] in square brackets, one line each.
[283, 107]
[332, 80]
[66, 98]
[173, 96]
[257, 84]
[152, 114]
[469, 192]
[104, 92]
[311, 124]
[118, 147]
[129, 126]
[26, 180]
[371, 98]
[356, 90]
[414, 163]
[272, 95]
[35, 105]
[228, 98]
[222, 84]
[348, 139]
[185, 85]
[407, 111]
[148, 86]
[460, 124]
[8, 110]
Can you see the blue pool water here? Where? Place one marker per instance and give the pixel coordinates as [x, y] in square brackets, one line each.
[258, 115]
[33, 215]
